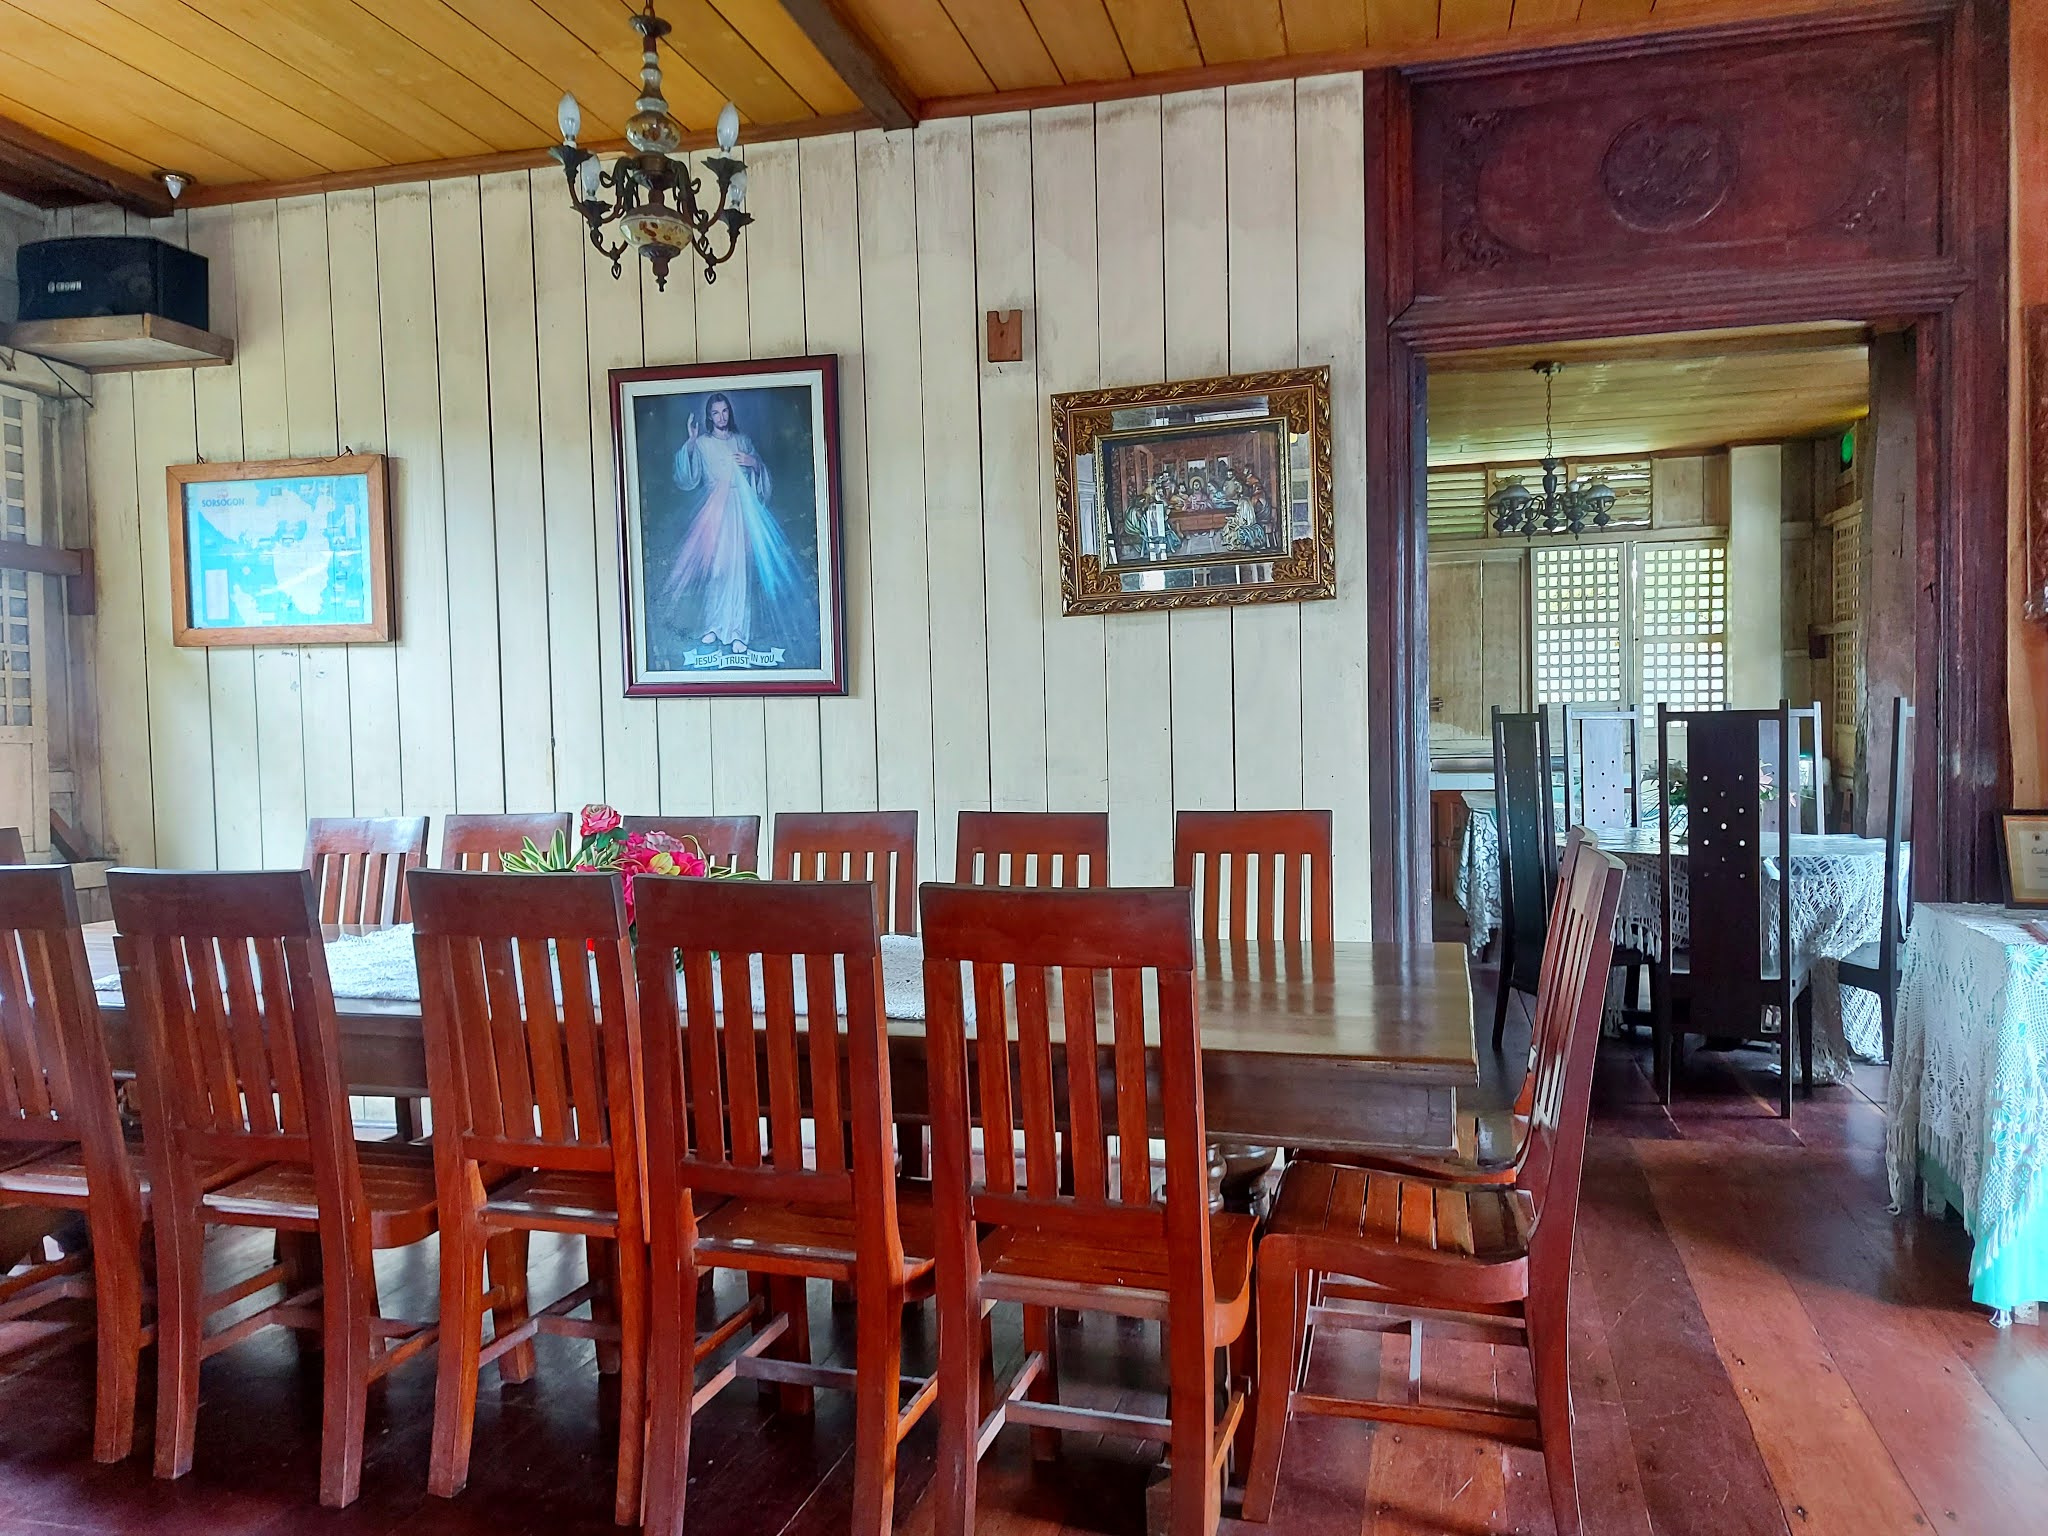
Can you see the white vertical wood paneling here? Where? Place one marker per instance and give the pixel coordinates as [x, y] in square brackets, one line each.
[1265, 638]
[895, 444]
[322, 705]
[575, 677]
[668, 332]
[1330, 153]
[1130, 218]
[513, 350]
[412, 417]
[230, 673]
[359, 422]
[466, 329]
[466, 494]
[776, 317]
[832, 324]
[949, 345]
[1197, 266]
[736, 740]
[1063, 259]
[266, 434]
[1012, 589]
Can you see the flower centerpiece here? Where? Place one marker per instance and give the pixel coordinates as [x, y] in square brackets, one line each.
[604, 844]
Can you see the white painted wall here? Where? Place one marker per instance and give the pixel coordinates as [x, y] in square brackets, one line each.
[1756, 652]
[464, 328]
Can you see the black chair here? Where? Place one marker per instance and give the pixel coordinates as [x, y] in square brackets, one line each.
[1722, 983]
[1524, 818]
[1874, 967]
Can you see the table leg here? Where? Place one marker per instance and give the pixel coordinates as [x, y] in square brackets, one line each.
[1244, 1167]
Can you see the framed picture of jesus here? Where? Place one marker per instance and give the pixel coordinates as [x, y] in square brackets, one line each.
[729, 523]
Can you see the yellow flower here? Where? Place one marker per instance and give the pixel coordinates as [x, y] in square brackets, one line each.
[663, 864]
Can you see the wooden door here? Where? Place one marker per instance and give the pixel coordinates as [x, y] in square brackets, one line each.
[1478, 647]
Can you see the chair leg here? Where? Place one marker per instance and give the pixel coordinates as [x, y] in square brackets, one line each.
[600, 1259]
[878, 1364]
[346, 1307]
[180, 1319]
[963, 1364]
[790, 1295]
[455, 1367]
[631, 1271]
[1280, 1301]
[1039, 1336]
[1550, 1366]
[1787, 1027]
[505, 1256]
[671, 1377]
[1195, 1499]
[1804, 1009]
[117, 1299]
[1500, 997]
[1242, 1365]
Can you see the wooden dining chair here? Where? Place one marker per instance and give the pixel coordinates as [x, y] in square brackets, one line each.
[1037, 848]
[225, 978]
[1114, 1243]
[878, 846]
[1720, 984]
[1874, 967]
[733, 841]
[481, 841]
[1524, 818]
[1258, 875]
[1602, 767]
[359, 865]
[11, 849]
[723, 1063]
[532, 1064]
[1351, 1248]
[61, 1146]
[1810, 802]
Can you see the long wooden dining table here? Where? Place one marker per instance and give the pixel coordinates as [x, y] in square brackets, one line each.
[1354, 1046]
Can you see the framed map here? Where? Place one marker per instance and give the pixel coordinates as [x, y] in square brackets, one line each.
[288, 552]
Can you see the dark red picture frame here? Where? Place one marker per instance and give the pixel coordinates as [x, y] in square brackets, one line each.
[832, 678]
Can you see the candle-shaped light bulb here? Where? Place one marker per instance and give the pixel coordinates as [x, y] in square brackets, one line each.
[586, 178]
[736, 190]
[569, 117]
[728, 127]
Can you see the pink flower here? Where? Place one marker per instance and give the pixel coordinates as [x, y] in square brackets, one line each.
[599, 818]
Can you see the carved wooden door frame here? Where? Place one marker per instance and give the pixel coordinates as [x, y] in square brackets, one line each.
[1955, 306]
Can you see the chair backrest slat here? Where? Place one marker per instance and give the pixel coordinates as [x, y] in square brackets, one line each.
[1258, 857]
[1603, 766]
[1053, 943]
[360, 864]
[1056, 848]
[721, 1055]
[876, 846]
[731, 841]
[481, 841]
[523, 1052]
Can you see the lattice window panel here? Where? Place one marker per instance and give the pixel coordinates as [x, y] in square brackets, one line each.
[1579, 627]
[17, 656]
[1846, 578]
[1682, 619]
[1457, 503]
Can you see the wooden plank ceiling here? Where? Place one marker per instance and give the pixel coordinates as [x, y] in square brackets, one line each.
[246, 95]
[1650, 395]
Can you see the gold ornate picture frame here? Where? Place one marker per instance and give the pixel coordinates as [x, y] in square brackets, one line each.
[1196, 494]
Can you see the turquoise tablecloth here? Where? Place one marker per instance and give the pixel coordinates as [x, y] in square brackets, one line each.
[1969, 1089]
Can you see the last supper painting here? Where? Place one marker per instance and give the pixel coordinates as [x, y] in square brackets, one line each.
[729, 524]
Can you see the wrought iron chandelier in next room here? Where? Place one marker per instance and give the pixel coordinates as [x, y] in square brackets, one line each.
[653, 192]
[1563, 507]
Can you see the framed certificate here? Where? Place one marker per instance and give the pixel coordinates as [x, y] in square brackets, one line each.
[2024, 842]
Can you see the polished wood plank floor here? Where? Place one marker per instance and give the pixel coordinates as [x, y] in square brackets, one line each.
[1760, 1348]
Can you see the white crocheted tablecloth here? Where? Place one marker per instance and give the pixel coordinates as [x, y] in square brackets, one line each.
[1969, 1079]
[1837, 906]
[379, 966]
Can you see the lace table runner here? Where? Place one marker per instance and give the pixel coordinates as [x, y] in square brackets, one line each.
[1969, 1079]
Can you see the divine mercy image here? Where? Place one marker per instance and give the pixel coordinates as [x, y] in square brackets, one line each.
[729, 531]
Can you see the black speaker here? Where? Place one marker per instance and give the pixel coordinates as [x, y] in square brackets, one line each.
[111, 275]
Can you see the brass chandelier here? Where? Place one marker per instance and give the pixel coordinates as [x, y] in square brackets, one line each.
[654, 195]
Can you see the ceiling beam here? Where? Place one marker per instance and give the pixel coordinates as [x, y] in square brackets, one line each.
[863, 66]
[48, 173]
